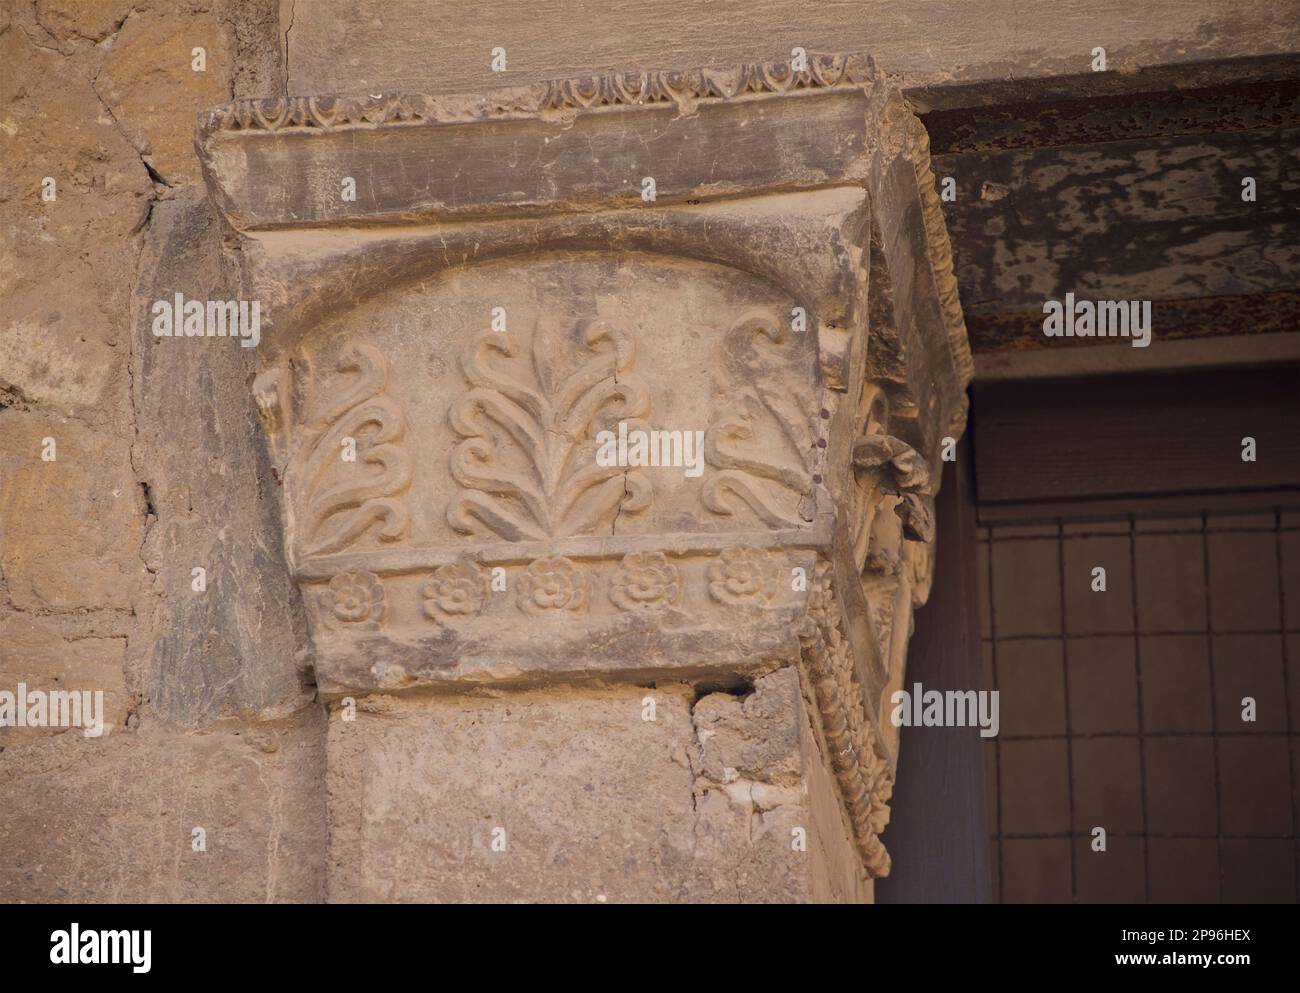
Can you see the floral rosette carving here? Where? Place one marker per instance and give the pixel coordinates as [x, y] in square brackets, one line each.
[552, 586]
[455, 590]
[645, 581]
[744, 577]
[355, 600]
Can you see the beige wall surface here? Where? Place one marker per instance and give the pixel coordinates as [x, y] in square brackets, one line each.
[206, 723]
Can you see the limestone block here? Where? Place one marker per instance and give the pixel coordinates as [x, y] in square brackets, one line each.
[149, 82]
[66, 265]
[237, 646]
[87, 823]
[572, 795]
[35, 655]
[372, 45]
[71, 537]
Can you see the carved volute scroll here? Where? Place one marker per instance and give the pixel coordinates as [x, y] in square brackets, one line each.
[761, 445]
[445, 359]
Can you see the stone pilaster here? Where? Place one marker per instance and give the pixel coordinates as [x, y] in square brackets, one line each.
[553, 677]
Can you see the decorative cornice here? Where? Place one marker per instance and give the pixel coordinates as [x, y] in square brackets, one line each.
[859, 758]
[580, 94]
[941, 261]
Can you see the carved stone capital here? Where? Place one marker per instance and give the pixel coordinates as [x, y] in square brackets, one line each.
[503, 289]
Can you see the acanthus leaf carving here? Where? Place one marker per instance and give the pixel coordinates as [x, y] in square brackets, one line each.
[554, 486]
[910, 476]
[890, 549]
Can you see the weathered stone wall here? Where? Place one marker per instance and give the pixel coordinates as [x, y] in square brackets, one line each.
[160, 469]
[156, 470]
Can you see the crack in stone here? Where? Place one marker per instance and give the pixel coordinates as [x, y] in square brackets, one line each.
[293, 7]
